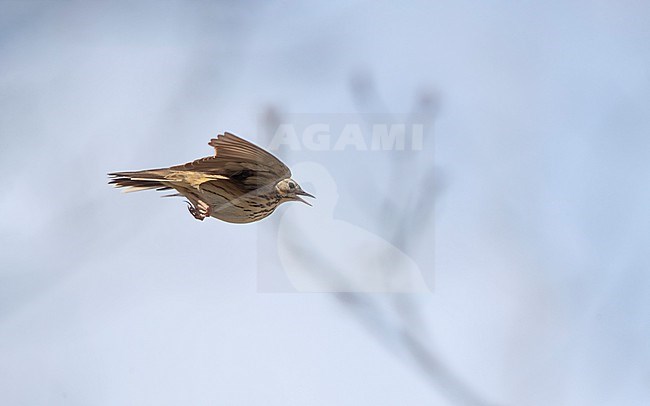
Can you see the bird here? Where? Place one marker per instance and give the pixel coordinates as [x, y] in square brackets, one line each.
[240, 183]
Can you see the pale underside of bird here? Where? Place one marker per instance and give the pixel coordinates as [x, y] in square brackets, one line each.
[241, 183]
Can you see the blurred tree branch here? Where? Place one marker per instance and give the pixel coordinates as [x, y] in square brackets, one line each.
[394, 320]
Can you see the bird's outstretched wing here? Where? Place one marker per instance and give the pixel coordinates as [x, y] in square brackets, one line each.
[241, 161]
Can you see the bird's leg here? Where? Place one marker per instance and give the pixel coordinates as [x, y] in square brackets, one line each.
[204, 209]
[194, 212]
[200, 211]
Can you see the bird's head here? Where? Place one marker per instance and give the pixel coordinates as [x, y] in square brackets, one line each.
[289, 189]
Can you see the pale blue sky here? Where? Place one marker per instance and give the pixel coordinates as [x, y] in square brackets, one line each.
[539, 265]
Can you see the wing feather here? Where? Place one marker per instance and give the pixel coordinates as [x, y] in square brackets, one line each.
[240, 161]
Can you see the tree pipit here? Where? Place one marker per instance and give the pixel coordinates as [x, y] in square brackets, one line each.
[241, 183]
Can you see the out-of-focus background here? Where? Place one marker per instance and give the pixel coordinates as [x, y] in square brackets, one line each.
[529, 203]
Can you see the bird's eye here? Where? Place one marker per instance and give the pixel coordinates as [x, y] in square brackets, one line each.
[292, 185]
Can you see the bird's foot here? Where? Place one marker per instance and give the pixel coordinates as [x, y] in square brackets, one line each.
[200, 211]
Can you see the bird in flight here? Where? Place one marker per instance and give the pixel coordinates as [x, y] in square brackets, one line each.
[241, 183]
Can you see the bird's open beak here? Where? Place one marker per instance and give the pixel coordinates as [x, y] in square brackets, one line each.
[303, 193]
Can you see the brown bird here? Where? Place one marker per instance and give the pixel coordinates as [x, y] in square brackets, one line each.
[241, 183]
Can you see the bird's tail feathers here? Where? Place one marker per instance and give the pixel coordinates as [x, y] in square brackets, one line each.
[139, 180]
